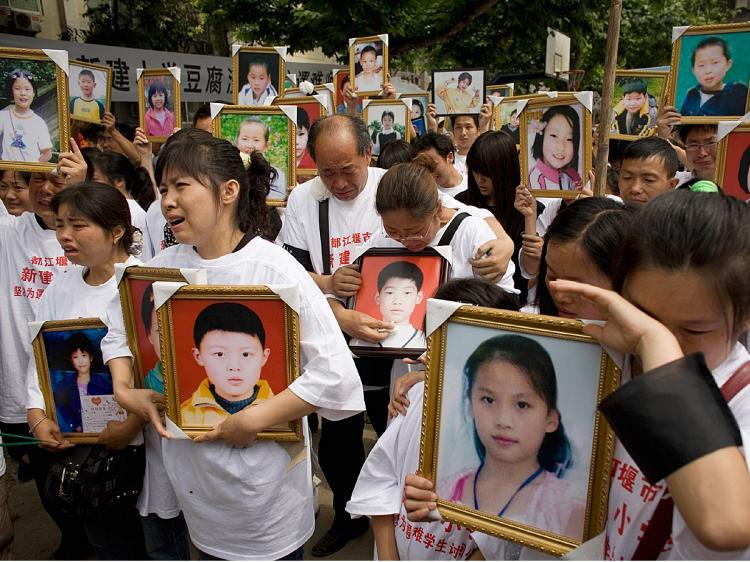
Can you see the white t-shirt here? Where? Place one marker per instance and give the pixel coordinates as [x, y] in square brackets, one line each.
[459, 163]
[24, 138]
[138, 220]
[351, 223]
[256, 503]
[368, 82]
[155, 223]
[453, 191]
[451, 203]
[30, 258]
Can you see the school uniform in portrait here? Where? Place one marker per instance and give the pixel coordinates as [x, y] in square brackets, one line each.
[641, 123]
[256, 503]
[203, 407]
[67, 397]
[730, 100]
[245, 96]
[88, 110]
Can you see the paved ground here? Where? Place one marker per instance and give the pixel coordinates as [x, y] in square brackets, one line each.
[37, 537]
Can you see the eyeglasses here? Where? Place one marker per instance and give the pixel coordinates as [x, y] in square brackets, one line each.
[413, 237]
[696, 146]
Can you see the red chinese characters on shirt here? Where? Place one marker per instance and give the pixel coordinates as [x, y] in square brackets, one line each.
[340, 251]
[417, 534]
[34, 278]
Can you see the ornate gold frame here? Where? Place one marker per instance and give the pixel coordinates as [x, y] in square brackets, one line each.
[380, 103]
[496, 125]
[42, 368]
[142, 105]
[489, 90]
[236, 69]
[168, 350]
[352, 62]
[641, 74]
[670, 91]
[721, 152]
[101, 68]
[563, 98]
[63, 107]
[303, 100]
[602, 446]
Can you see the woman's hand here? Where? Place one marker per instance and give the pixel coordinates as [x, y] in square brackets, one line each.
[346, 281]
[108, 121]
[118, 434]
[389, 90]
[142, 144]
[490, 261]
[147, 404]
[525, 202]
[71, 165]
[485, 116]
[234, 431]
[419, 498]
[401, 386]
[432, 124]
[667, 118]
[532, 246]
[47, 432]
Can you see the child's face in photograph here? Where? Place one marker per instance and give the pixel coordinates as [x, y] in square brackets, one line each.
[397, 299]
[558, 148]
[233, 361]
[23, 93]
[416, 111]
[86, 84]
[258, 78]
[81, 361]
[711, 65]
[302, 134]
[464, 84]
[387, 121]
[252, 136]
[513, 119]
[157, 100]
[633, 101]
[368, 61]
[511, 419]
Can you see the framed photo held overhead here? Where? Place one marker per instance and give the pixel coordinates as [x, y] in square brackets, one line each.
[259, 74]
[368, 64]
[506, 114]
[483, 364]
[75, 382]
[458, 92]
[34, 116]
[637, 98]
[90, 87]
[309, 110]
[501, 90]
[419, 101]
[159, 109]
[225, 348]
[733, 159]
[387, 121]
[396, 284]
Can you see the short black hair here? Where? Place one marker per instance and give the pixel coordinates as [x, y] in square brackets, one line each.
[743, 171]
[700, 127]
[87, 72]
[228, 317]
[369, 49]
[201, 113]
[401, 270]
[465, 76]
[441, 143]
[303, 119]
[258, 62]
[711, 42]
[636, 86]
[477, 292]
[474, 117]
[395, 152]
[147, 306]
[356, 127]
[654, 146]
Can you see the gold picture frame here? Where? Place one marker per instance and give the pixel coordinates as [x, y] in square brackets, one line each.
[502, 90]
[727, 155]
[58, 378]
[229, 131]
[371, 108]
[107, 88]
[537, 107]
[146, 77]
[648, 76]
[264, 53]
[353, 62]
[497, 110]
[448, 357]
[59, 90]
[677, 68]
[176, 318]
[304, 170]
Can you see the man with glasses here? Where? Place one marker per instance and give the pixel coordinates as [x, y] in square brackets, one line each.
[700, 142]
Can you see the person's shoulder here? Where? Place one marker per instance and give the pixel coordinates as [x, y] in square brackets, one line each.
[736, 88]
[308, 193]
[374, 175]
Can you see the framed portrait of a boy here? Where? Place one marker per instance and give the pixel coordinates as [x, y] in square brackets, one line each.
[368, 64]
[272, 131]
[159, 110]
[733, 159]
[509, 393]
[396, 284]
[227, 348]
[90, 87]
[309, 110]
[637, 98]
[258, 74]
[387, 121]
[458, 92]
[34, 120]
[556, 144]
[75, 382]
[710, 72]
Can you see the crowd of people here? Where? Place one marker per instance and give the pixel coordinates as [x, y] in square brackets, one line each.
[660, 262]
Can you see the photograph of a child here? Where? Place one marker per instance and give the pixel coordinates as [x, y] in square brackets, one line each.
[269, 134]
[259, 77]
[368, 59]
[89, 89]
[159, 96]
[80, 382]
[636, 102]
[516, 427]
[735, 178]
[419, 113]
[458, 92]
[307, 114]
[386, 123]
[502, 90]
[29, 111]
[228, 356]
[554, 145]
[148, 361]
[508, 120]
[712, 74]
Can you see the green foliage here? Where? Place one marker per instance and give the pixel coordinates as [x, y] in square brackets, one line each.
[278, 135]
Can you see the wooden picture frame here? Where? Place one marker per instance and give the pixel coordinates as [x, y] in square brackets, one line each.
[160, 79]
[95, 69]
[434, 270]
[380, 44]
[21, 147]
[452, 99]
[373, 113]
[682, 81]
[733, 162]
[228, 123]
[63, 351]
[503, 107]
[183, 365]
[533, 126]
[502, 90]
[655, 83]
[275, 64]
[304, 164]
[455, 431]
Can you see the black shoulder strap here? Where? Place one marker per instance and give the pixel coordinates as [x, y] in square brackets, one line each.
[445, 240]
[325, 248]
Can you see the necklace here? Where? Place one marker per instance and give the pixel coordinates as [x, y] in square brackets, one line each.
[525, 483]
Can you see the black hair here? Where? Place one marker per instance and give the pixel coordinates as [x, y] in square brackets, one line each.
[25, 176]
[743, 171]
[419, 104]
[303, 119]
[228, 317]
[477, 292]
[599, 226]
[14, 75]
[571, 115]
[356, 127]
[147, 306]
[101, 204]
[87, 72]
[198, 154]
[126, 130]
[401, 270]
[555, 454]
[699, 127]
[201, 113]
[465, 76]
[116, 166]
[156, 87]
[441, 143]
[254, 120]
[78, 340]
[368, 49]
[636, 86]
[708, 233]
[494, 154]
[711, 42]
[654, 146]
[388, 113]
[259, 62]
[474, 117]
[395, 152]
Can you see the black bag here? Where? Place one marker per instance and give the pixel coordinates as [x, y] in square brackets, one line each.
[92, 480]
